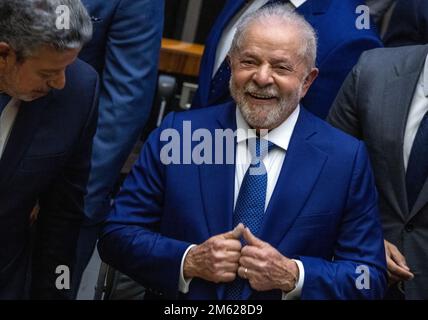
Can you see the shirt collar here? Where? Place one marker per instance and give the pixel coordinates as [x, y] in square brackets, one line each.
[4, 100]
[280, 136]
[297, 3]
[425, 79]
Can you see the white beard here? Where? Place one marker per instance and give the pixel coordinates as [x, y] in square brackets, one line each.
[264, 116]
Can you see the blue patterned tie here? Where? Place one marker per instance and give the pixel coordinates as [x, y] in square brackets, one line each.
[219, 86]
[250, 205]
[417, 168]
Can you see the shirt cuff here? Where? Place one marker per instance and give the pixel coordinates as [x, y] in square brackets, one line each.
[297, 291]
[183, 284]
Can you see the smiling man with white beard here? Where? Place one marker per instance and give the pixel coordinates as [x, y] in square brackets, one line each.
[303, 225]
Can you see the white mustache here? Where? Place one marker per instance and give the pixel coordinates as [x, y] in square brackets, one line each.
[253, 89]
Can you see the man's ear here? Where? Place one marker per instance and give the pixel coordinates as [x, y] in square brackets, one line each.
[307, 82]
[229, 60]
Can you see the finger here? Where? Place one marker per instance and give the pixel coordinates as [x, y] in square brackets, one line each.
[247, 273]
[235, 233]
[227, 277]
[250, 251]
[398, 258]
[230, 267]
[232, 245]
[398, 271]
[243, 272]
[252, 239]
[232, 256]
[250, 263]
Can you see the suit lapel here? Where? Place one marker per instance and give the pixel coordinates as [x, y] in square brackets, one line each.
[302, 166]
[229, 11]
[422, 199]
[397, 100]
[299, 173]
[22, 133]
[218, 181]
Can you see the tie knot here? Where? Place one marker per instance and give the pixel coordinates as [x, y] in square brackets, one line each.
[259, 148]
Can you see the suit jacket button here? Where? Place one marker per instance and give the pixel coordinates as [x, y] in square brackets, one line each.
[409, 227]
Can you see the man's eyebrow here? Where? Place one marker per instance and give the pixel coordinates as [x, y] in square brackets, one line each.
[280, 60]
[248, 52]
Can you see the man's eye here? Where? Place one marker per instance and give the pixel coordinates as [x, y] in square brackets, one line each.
[284, 68]
[247, 62]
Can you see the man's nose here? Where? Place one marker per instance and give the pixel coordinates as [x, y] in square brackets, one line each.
[58, 82]
[263, 76]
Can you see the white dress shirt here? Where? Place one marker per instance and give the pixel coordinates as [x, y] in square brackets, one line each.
[273, 162]
[227, 36]
[7, 119]
[418, 108]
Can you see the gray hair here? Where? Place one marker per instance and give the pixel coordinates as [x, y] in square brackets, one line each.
[286, 16]
[27, 24]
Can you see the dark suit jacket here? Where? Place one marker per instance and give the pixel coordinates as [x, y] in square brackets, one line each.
[373, 105]
[323, 208]
[408, 24]
[340, 44]
[46, 160]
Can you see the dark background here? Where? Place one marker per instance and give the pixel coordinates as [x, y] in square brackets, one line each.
[175, 12]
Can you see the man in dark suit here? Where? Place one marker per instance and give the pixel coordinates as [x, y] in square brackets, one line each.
[408, 24]
[308, 207]
[340, 45]
[48, 109]
[384, 101]
[125, 52]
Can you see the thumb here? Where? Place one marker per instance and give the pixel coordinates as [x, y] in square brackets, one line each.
[235, 233]
[251, 239]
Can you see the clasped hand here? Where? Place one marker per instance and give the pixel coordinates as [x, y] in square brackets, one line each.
[222, 258]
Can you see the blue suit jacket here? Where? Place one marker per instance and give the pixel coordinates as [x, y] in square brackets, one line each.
[340, 44]
[324, 207]
[46, 160]
[125, 51]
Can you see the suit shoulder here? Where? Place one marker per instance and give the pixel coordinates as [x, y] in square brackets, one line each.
[202, 116]
[373, 57]
[80, 95]
[81, 72]
[81, 83]
[333, 140]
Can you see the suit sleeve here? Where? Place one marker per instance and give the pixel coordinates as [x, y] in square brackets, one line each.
[61, 211]
[333, 71]
[358, 267]
[131, 239]
[344, 111]
[126, 97]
